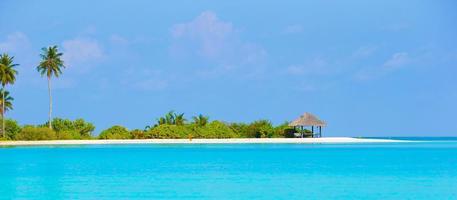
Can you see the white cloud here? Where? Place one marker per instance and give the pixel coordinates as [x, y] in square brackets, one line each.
[208, 38]
[81, 50]
[293, 29]
[305, 87]
[315, 66]
[18, 44]
[210, 33]
[117, 39]
[151, 84]
[364, 51]
[89, 30]
[296, 69]
[14, 42]
[396, 27]
[145, 79]
[395, 62]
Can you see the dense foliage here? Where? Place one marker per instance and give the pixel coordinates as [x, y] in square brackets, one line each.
[7, 76]
[68, 129]
[214, 129]
[63, 129]
[137, 134]
[166, 128]
[200, 120]
[36, 133]
[115, 132]
[170, 126]
[12, 128]
[167, 131]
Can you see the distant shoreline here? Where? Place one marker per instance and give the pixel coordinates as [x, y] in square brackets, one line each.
[326, 140]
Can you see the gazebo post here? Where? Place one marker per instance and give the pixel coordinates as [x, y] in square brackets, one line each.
[320, 131]
[312, 131]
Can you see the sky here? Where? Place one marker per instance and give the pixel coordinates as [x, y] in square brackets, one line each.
[367, 68]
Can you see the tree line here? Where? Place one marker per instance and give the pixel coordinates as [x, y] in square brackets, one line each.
[171, 125]
[51, 64]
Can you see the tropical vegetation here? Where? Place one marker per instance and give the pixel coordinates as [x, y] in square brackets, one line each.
[199, 127]
[170, 126]
[7, 76]
[51, 65]
[6, 104]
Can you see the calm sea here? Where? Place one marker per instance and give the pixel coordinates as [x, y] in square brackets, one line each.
[422, 170]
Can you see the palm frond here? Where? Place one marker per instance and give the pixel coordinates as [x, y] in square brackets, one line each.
[7, 69]
[8, 100]
[51, 62]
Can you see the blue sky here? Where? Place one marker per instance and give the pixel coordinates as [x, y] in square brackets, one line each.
[368, 68]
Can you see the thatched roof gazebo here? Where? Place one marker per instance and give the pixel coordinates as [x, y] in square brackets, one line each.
[308, 119]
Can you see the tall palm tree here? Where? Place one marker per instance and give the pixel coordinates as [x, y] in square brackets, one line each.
[51, 65]
[8, 105]
[7, 76]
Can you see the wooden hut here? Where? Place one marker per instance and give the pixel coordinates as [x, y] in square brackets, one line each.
[308, 120]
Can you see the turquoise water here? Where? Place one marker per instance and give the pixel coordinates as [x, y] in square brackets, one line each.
[425, 170]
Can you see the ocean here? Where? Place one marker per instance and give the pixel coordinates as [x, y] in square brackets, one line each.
[418, 170]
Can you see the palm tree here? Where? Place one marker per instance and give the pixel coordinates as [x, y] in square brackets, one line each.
[7, 76]
[171, 118]
[51, 65]
[200, 120]
[8, 105]
[179, 119]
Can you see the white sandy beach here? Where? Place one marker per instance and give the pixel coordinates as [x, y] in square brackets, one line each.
[328, 140]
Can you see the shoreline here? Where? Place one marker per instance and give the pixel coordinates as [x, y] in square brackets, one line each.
[323, 140]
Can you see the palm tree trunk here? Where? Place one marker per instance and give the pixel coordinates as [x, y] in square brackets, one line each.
[3, 112]
[50, 103]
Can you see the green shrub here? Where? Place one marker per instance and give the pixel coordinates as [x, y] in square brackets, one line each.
[281, 130]
[68, 135]
[166, 131]
[137, 134]
[240, 129]
[36, 133]
[12, 128]
[115, 132]
[59, 124]
[216, 129]
[84, 128]
[289, 133]
[78, 129]
[260, 129]
[256, 129]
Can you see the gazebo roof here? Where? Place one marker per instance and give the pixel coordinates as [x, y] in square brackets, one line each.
[307, 119]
